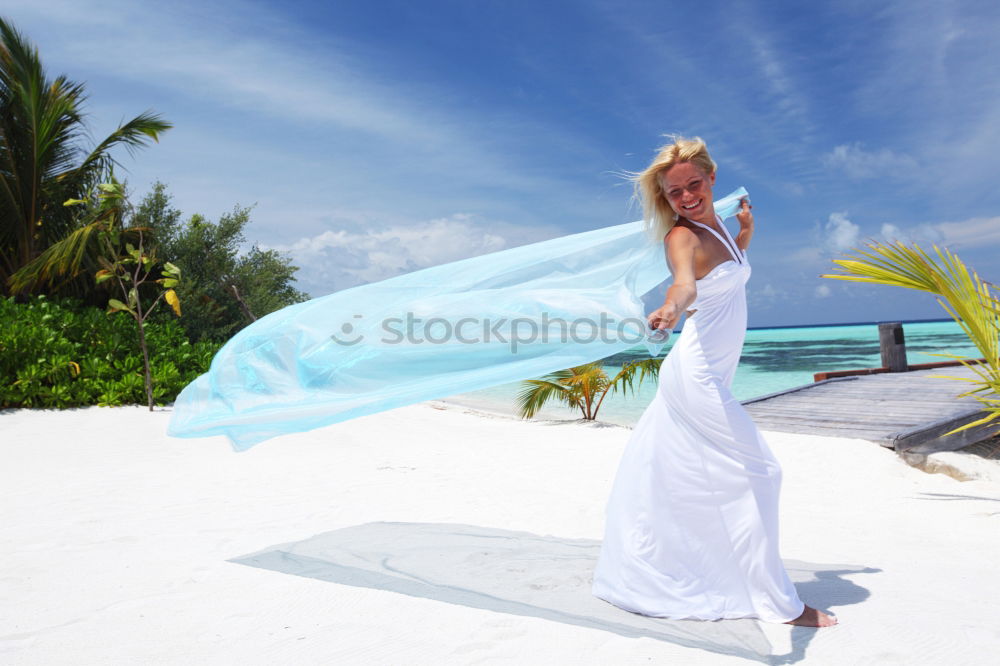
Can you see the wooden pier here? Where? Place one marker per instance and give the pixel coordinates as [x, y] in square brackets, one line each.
[905, 411]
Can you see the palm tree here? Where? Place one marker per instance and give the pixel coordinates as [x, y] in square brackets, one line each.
[583, 387]
[972, 303]
[42, 164]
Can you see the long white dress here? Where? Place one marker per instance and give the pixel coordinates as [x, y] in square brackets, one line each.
[692, 521]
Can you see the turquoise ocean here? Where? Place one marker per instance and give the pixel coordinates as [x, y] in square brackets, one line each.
[773, 359]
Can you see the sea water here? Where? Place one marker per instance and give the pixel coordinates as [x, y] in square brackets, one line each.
[774, 359]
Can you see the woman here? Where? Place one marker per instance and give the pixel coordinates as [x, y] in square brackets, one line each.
[692, 521]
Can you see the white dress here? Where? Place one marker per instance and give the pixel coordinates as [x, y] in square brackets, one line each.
[692, 521]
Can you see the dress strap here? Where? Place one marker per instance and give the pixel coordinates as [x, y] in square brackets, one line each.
[735, 252]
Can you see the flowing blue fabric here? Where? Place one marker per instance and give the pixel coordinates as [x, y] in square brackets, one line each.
[470, 324]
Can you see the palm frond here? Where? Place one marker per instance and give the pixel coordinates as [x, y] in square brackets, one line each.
[78, 251]
[968, 300]
[625, 380]
[992, 415]
[536, 393]
[63, 259]
[590, 377]
[573, 387]
[136, 133]
[625, 377]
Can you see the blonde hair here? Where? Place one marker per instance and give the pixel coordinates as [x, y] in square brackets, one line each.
[658, 216]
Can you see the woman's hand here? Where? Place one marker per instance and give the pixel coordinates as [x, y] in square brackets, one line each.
[744, 215]
[665, 317]
[746, 225]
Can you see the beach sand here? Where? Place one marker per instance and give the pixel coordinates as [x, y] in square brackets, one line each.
[435, 535]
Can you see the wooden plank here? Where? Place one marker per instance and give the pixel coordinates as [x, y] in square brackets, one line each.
[871, 420]
[857, 432]
[904, 398]
[933, 436]
[864, 431]
[910, 395]
[893, 389]
[949, 390]
[861, 408]
[887, 426]
[857, 411]
[784, 418]
[829, 432]
[909, 411]
[847, 400]
[805, 387]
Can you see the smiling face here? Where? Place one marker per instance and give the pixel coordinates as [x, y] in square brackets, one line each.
[688, 189]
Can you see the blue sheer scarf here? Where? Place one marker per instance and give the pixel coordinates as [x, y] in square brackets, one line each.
[470, 324]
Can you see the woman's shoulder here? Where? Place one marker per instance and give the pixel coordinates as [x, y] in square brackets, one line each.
[681, 233]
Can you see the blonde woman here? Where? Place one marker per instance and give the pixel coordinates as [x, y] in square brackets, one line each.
[692, 522]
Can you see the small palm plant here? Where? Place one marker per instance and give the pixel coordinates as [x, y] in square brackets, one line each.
[583, 387]
[128, 268]
[971, 302]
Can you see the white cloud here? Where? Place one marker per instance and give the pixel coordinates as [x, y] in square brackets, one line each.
[839, 233]
[766, 296]
[857, 162]
[822, 291]
[833, 237]
[343, 258]
[923, 233]
[891, 232]
[975, 232]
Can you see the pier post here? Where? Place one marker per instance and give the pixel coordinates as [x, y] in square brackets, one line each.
[892, 346]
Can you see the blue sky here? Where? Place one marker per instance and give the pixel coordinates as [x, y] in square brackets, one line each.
[377, 137]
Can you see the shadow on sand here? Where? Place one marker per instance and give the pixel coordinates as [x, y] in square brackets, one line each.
[527, 574]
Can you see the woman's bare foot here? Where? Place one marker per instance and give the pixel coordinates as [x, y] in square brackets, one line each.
[813, 618]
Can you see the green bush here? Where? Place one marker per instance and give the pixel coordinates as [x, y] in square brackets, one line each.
[65, 354]
[213, 265]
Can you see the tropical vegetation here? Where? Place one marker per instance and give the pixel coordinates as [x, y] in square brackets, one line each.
[74, 251]
[583, 387]
[44, 163]
[223, 289]
[971, 302]
[60, 353]
[129, 268]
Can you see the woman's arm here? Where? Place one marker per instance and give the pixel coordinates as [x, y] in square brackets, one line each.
[746, 226]
[681, 245]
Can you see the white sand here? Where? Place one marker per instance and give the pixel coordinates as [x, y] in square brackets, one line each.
[121, 545]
